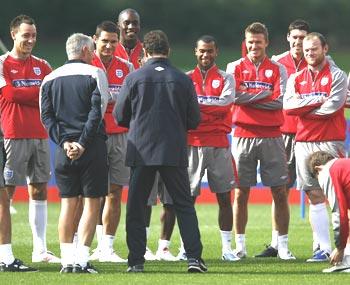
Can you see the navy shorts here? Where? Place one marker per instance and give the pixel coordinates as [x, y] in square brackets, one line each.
[86, 176]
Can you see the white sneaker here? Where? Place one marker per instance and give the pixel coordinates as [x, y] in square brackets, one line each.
[47, 257]
[337, 268]
[229, 256]
[240, 253]
[165, 254]
[149, 255]
[110, 256]
[285, 254]
[181, 255]
[95, 254]
[13, 210]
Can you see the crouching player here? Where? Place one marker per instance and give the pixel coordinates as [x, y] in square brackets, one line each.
[333, 175]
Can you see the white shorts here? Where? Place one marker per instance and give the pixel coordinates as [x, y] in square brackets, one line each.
[271, 154]
[302, 152]
[219, 164]
[27, 158]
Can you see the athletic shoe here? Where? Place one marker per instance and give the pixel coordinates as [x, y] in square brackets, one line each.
[67, 269]
[138, 268]
[181, 255]
[196, 266]
[319, 256]
[47, 257]
[229, 256]
[165, 254]
[269, 251]
[110, 256]
[240, 253]
[285, 254]
[149, 255]
[77, 268]
[16, 266]
[337, 268]
[95, 254]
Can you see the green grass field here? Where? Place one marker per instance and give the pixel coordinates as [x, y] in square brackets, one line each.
[248, 271]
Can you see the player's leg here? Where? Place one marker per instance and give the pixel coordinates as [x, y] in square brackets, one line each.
[38, 174]
[220, 171]
[167, 223]
[318, 214]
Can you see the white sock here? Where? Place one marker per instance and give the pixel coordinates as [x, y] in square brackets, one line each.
[163, 244]
[274, 239]
[148, 231]
[315, 242]
[240, 242]
[38, 222]
[68, 251]
[75, 239]
[282, 242]
[320, 223]
[347, 250]
[106, 242]
[226, 238]
[82, 255]
[6, 254]
[99, 233]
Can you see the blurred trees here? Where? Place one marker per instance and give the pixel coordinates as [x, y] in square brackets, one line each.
[185, 20]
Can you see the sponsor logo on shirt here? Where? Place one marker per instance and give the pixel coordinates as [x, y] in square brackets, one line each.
[245, 72]
[119, 73]
[14, 71]
[215, 83]
[268, 73]
[314, 94]
[257, 85]
[37, 70]
[26, 82]
[207, 99]
[114, 89]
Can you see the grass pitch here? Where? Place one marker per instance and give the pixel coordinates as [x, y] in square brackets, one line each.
[247, 271]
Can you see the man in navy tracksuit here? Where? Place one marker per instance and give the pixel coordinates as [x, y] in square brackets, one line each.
[73, 101]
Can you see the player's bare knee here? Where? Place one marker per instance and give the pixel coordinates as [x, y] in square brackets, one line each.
[224, 200]
[316, 196]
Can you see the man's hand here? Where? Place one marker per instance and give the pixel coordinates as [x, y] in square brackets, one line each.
[337, 256]
[73, 150]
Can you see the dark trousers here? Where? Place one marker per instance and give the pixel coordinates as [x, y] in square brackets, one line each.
[177, 183]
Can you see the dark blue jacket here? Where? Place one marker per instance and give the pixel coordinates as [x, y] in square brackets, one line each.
[159, 104]
[73, 99]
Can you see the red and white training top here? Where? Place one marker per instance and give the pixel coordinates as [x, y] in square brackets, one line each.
[318, 103]
[259, 94]
[134, 56]
[334, 179]
[116, 72]
[290, 122]
[20, 82]
[215, 93]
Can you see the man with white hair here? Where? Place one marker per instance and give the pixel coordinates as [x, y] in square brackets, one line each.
[73, 101]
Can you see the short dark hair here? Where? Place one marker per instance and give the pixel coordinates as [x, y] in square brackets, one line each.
[207, 39]
[257, 28]
[20, 19]
[128, 10]
[156, 42]
[106, 26]
[317, 35]
[299, 24]
[318, 158]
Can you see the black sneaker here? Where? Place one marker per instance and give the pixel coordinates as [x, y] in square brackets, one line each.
[138, 268]
[196, 266]
[77, 268]
[67, 269]
[269, 251]
[16, 266]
